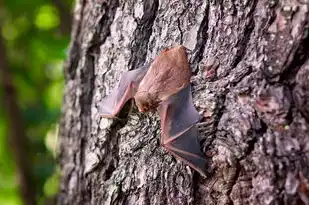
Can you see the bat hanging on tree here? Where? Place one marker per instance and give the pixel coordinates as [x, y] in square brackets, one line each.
[164, 85]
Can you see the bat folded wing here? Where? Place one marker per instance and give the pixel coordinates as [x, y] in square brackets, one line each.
[124, 91]
[187, 148]
[179, 131]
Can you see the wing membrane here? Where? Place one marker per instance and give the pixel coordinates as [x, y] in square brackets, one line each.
[124, 91]
[179, 131]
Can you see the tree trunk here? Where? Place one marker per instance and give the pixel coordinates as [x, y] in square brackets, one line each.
[250, 81]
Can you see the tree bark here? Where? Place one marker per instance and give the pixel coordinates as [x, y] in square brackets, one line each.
[250, 81]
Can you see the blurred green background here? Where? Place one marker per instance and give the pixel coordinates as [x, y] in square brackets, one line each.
[36, 35]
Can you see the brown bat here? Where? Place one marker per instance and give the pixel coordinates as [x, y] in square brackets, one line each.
[165, 86]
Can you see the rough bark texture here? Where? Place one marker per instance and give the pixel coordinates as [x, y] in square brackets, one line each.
[251, 82]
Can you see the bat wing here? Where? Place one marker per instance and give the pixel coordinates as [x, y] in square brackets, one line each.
[124, 91]
[179, 131]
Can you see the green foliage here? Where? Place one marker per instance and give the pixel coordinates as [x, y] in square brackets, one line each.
[47, 18]
[36, 48]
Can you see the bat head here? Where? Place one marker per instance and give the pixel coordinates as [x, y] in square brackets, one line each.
[146, 102]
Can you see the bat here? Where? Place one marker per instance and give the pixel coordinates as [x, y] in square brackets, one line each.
[164, 85]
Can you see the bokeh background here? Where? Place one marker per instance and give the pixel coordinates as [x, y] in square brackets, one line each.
[36, 35]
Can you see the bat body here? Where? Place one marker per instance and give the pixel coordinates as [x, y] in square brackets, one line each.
[164, 85]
